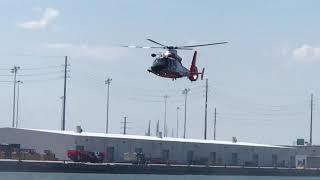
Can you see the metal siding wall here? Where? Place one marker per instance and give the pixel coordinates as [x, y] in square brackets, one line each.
[59, 143]
[39, 141]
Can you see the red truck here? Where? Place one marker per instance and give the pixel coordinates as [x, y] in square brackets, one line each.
[86, 156]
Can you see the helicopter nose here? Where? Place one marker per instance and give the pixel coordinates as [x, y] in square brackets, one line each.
[156, 67]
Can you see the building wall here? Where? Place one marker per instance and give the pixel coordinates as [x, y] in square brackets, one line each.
[308, 156]
[178, 151]
[40, 141]
[307, 150]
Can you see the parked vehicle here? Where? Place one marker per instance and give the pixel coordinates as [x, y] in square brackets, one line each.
[86, 156]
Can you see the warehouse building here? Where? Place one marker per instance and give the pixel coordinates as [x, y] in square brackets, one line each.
[157, 149]
[307, 156]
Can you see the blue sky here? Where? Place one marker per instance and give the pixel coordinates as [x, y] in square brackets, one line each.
[260, 82]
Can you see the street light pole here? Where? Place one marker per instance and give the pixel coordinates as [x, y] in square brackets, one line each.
[108, 82]
[62, 109]
[14, 70]
[185, 92]
[178, 108]
[63, 128]
[215, 124]
[18, 95]
[206, 110]
[165, 116]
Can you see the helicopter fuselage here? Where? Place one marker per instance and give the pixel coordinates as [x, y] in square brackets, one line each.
[168, 65]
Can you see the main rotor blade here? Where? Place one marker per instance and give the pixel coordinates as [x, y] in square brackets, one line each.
[156, 42]
[202, 45]
[143, 47]
[183, 48]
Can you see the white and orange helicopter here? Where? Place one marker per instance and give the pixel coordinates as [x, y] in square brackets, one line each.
[168, 63]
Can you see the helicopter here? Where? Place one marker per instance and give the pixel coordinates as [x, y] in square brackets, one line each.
[168, 63]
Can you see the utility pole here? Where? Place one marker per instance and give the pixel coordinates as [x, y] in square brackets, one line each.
[108, 82]
[205, 113]
[157, 129]
[178, 108]
[215, 124]
[185, 92]
[125, 125]
[311, 115]
[149, 130]
[18, 95]
[14, 70]
[165, 116]
[64, 95]
[61, 98]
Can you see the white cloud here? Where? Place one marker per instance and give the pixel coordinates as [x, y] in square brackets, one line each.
[86, 51]
[306, 53]
[48, 15]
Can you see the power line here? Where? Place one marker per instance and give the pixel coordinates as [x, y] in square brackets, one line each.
[153, 98]
[43, 80]
[256, 104]
[42, 68]
[260, 117]
[34, 74]
[5, 69]
[6, 81]
[262, 114]
[143, 100]
[41, 74]
[257, 120]
[31, 55]
[38, 80]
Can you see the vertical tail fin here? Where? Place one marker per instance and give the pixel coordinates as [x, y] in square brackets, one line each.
[193, 62]
[194, 74]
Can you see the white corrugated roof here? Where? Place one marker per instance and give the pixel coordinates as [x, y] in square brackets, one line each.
[170, 139]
